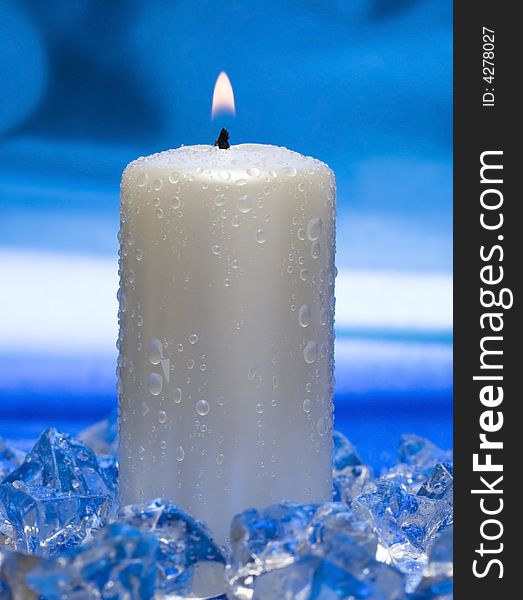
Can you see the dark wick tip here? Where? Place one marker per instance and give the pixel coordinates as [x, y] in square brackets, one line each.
[223, 140]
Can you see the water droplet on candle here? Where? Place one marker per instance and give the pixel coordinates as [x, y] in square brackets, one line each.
[289, 171]
[141, 452]
[155, 384]
[226, 282]
[274, 382]
[236, 221]
[289, 269]
[145, 408]
[324, 316]
[159, 213]
[304, 274]
[219, 459]
[142, 179]
[193, 338]
[321, 427]
[155, 351]
[156, 202]
[138, 254]
[252, 373]
[216, 249]
[190, 363]
[220, 200]
[224, 175]
[177, 395]
[254, 172]
[245, 204]
[202, 407]
[310, 352]
[163, 444]
[176, 202]
[301, 187]
[174, 177]
[261, 236]
[304, 315]
[179, 347]
[157, 184]
[162, 416]
[308, 387]
[180, 453]
[241, 182]
[259, 409]
[235, 263]
[315, 249]
[301, 234]
[307, 405]
[314, 227]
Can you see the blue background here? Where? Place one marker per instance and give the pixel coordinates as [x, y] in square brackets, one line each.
[365, 85]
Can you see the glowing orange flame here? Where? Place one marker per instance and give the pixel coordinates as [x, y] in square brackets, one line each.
[223, 97]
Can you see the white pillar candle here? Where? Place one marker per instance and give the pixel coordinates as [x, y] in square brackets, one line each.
[226, 329]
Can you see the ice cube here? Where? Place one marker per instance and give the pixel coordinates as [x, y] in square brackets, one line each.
[59, 462]
[415, 450]
[119, 563]
[405, 524]
[345, 453]
[102, 437]
[41, 521]
[189, 563]
[351, 483]
[437, 582]
[9, 459]
[14, 567]
[311, 552]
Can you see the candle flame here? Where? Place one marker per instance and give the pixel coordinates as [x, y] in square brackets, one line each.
[223, 97]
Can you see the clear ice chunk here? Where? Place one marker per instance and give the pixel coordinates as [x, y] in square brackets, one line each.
[408, 477]
[310, 552]
[42, 521]
[405, 524]
[345, 453]
[189, 563]
[437, 582]
[59, 462]
[9, 459]
[351, 483]
[102, 437]
[14, 567]
[439, 485]
[420, 452]
[120, 563]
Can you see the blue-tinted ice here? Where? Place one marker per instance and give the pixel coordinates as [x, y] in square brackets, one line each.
[58, 497]
[385, 537]
[309, 552]
[120, 563]
[188, 561]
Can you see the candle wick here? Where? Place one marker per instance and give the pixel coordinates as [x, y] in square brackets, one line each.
[223, 140]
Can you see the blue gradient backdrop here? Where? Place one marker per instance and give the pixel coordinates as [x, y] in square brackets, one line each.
[365, 85]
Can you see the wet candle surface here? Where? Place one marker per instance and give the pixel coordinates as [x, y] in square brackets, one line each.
[226, 329]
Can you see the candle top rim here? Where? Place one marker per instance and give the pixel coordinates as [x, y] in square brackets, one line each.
[250, 157]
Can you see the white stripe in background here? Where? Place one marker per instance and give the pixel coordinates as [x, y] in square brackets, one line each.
[56, 304]
[386, 300]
